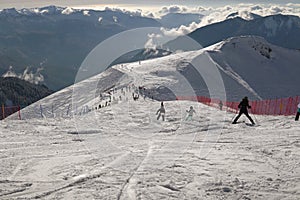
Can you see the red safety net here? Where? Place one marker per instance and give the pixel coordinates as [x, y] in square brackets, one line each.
[9, 110]
[282, 106]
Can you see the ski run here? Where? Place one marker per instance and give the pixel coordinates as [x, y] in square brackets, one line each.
[121, 151]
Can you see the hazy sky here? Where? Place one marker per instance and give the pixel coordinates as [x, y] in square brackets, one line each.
[132, 4]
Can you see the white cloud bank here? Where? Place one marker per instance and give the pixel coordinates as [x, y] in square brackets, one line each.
[27, 75]
[214, 15]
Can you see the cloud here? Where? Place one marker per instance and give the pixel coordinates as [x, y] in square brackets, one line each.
[182, 30]
[86, 13]
[67, 11]
[27, 75]
[179, 9]
[137, 12]
[256, 7]
[172, 9]
[245, 11]
[31, 77]
[153, 41]
[214, 15]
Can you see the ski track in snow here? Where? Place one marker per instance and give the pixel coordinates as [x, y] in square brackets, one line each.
[41, 159]
[122, 152]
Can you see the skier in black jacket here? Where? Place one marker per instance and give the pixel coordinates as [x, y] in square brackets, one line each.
[243, 106]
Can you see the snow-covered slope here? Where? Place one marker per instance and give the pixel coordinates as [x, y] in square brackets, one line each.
[67, 147]
[268, 71]
[123, 152]
[248, 66]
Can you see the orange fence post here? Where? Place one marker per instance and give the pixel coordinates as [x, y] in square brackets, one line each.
[19, 112]
[3, 112]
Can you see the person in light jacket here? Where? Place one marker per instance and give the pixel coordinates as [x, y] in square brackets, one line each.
[298, 113]
[190, 113]
[161, 112]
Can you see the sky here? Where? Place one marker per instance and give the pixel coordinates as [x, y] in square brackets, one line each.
[151, 5]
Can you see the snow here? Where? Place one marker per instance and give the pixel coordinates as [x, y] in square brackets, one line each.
[128, 154]
[115, 19]
[265, 70]
[10, 73]
[67, 11]
[86, 13]
[27, 75]
[122, 152]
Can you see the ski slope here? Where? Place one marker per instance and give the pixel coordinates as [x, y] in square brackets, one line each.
[128, 154]
[65, 148]
[234, 68]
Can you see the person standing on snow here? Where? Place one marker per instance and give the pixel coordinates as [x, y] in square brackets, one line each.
[243, 106]
[221, 105]
[298, 113]
[190, 113]
[161, 112]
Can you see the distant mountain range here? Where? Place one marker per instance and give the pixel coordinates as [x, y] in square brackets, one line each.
[58, 39]
[248, 65]
[54, 41]
[281, 30]
[174, 20]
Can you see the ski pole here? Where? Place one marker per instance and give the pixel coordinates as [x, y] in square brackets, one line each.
[232, 118]
[235, 114]
[254, 117]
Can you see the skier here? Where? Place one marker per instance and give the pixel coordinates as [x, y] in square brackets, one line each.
[190, 113]
[161, 112]
[298, 113]
[220, 105]
[244, 104]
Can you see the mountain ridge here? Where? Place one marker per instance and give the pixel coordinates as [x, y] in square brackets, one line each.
[282, 30]
[246, 74]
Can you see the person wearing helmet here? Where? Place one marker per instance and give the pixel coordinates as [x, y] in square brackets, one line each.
[190, 113]
[243, 106]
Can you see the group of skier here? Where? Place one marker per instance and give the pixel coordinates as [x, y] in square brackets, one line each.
[161, 112]
[243, 106]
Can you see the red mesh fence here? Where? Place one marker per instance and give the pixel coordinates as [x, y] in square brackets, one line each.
[283, 106]
[9, 110]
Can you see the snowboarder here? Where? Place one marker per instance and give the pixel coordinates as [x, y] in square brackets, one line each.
[190, 113]
[243, 106]
[161, 112]
[298, 113]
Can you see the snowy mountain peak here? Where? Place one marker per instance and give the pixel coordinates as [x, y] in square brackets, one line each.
[67, 11]
[51, 10]
[244, 15]
[10, 73]
[238, 41]
[10, 11]
[256, 43]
